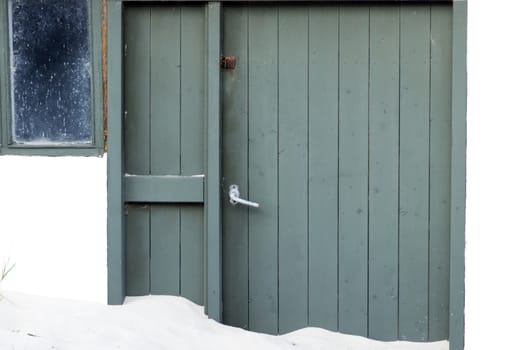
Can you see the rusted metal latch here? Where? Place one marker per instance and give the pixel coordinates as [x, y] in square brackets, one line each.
[228, 62]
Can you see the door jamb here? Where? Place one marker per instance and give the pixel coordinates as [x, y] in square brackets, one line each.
[212, 188]
[116, 258]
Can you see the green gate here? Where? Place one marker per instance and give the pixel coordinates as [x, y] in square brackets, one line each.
[343, 121]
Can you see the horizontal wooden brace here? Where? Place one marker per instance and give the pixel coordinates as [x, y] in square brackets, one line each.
[164, 189]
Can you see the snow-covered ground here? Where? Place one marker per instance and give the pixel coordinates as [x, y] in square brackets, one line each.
[153, 322]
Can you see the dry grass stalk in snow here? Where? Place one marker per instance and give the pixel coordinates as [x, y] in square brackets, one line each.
[6, 268]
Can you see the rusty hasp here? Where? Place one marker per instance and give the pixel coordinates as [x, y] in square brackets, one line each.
[228, 62]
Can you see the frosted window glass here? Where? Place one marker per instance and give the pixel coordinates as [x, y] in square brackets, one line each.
[51, 71]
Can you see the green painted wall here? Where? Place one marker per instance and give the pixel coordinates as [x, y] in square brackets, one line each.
[338, 120]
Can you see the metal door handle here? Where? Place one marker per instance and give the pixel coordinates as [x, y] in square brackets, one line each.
[235, 199]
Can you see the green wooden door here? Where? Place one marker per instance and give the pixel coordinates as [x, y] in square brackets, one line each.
[336, 120]
[164, 116]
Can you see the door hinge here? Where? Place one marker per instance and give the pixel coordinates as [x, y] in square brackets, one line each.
[228, 62]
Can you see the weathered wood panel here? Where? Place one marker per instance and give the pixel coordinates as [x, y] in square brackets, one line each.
[293, 168]
[345, 142]
[165, 250]
[458, 176]
[355, 138]
[192, 261]
[164, 120]
[213, 238]
[137, 153]
[353, 169]
[383, 177]
[262, 168]
[136, 91]
[116, 236]
[235, 167]
[440, 148]
[192, 148]
[164, 188]
[137, 249]
[323, 166]
[414, 171]
[164, 82]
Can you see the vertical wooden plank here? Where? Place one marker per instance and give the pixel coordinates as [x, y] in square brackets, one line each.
[137, 143]
[192, 89]
[165, 145]
[165, 90]
[383, 181]
[293, 168]
[262, 169]
[458, 176]
[213, 164]
[414, 171]
[353, 169]
[137, 250]
[323, 166]
[235, 165]
[192, 147]
[136, 90]
[191, 231]
[440, 141]
[165, 250]
[116, 238]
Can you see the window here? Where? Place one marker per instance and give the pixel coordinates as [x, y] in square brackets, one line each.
[50, 77]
